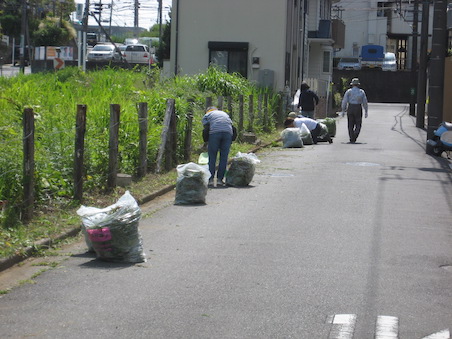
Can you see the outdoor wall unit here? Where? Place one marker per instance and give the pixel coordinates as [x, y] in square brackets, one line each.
[323, 32]
[266, 78]
[338, 33]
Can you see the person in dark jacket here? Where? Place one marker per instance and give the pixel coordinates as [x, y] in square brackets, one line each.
[308, 100]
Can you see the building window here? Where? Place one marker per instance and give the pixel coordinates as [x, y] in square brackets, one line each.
[230, 56]
[326, 61]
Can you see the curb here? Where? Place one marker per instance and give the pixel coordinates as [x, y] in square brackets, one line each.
[15, 259]
[43, 243]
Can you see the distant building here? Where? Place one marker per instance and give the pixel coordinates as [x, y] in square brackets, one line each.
[379, 22]
[275, 43]
[117, 31]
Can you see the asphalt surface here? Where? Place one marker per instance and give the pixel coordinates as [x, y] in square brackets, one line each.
[329, 241]
[8, 70]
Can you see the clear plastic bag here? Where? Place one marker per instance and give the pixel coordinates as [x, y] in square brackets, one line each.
[291, 137]
[306, 136]
[191, 185]
[331, 124]
[112, 232]
[241, 170]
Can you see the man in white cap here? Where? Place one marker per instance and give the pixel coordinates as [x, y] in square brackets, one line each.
[353, 102]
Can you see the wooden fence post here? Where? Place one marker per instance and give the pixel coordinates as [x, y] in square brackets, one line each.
[251, 113]
[188, 131]
[220, 102]
[80, 129]
[29, 163]
[266, 118]
[171, 150]
[143, 138]
[113, 146]
[165, 133]
[240, 127]
[229, 100]
[259, 109]
[208, 102]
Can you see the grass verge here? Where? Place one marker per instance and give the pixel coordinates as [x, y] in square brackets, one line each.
[53, 220]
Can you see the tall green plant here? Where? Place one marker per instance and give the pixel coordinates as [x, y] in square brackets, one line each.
[54, 98]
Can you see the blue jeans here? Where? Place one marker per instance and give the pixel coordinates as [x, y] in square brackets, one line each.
[219, 142]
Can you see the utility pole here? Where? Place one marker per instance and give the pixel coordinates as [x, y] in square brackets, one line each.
[436, 83]
[135, 17]
[422, 75]
[160, 20]
[22, 36]
[85, 30]
[414, 58]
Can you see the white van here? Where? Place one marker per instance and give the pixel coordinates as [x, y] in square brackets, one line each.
[389, 62]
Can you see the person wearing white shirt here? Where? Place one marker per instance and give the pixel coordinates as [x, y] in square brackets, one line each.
[353, 103]
[313, 126]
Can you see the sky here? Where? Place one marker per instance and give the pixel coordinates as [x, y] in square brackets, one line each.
[123, 12]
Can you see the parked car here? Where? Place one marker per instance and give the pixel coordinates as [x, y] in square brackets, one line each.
[103, 53]
[389, 62]
[349, 63]
[17, 55]
[138, 53]
[91, 39]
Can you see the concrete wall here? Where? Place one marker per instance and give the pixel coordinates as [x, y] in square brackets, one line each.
[384, 87]
[447, 107]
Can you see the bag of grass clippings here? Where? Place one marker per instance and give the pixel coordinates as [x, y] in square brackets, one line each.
[112, 232]
[191, 185]
[291, 137]
[331, 124]
[241, 170]
[306, 136]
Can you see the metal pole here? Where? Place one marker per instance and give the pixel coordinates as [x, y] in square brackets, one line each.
[422, 76]
[436, 83]
[22, 36]
[414, 58]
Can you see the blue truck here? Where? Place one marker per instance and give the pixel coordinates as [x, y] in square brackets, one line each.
[372, 56]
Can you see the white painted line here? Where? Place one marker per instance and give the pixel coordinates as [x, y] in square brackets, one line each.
[343, 326]
[444, 334]
[387, 327]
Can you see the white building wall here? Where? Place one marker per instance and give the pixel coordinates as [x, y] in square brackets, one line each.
[260, 23]
[364, 26]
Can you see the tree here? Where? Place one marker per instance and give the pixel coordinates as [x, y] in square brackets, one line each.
[53, 32]
[163, 52]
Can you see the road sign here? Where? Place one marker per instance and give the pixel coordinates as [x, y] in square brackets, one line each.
[58, 63]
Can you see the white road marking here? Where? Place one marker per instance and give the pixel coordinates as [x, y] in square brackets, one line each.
[387, 327]
[444, 334]
[343, 326]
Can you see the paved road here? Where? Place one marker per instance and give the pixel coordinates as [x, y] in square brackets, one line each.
[8, 70]
[330, 241]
